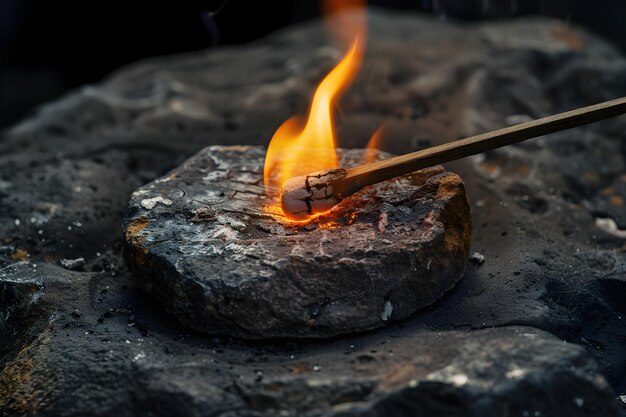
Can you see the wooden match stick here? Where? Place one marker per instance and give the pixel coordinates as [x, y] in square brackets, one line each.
[320, 191]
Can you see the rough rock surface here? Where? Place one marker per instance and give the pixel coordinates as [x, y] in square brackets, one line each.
[548, 218]
[203, 241]
[140, 372]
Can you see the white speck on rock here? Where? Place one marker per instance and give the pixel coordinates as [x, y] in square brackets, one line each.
[72, 264]
[610, 226]
[449, 374]
[297, 249]
[347, 261]
[139, 356]
[141, 191]
[232, 222]
[623, 398]
[477, 258]
[387, 310]
[233, 247]
[515, 373]
[579, 402]
[239, 251]
[458, 380]
[150, 203]
[215, 175]
[227, 232]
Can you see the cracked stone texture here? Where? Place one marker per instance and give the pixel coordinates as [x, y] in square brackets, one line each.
[89, 342]
[215, 258]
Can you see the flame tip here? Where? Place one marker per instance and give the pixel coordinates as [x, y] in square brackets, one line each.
[299, 146]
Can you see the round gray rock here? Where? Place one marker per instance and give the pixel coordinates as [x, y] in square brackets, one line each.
[203, 240]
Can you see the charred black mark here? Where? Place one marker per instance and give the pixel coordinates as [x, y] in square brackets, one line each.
[322, 184]
[308, 200]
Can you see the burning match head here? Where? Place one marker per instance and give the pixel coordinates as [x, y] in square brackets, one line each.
[308, 195]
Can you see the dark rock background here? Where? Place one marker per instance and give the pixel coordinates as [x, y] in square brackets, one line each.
[47, 49]
[548, 218]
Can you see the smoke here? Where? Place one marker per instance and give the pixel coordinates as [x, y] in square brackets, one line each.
[208, 19]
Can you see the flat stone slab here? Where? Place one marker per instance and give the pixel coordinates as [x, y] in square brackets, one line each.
[203, 240]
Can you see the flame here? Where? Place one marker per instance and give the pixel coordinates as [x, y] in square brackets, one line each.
[304, 145]
[299, 148]
[373, 145]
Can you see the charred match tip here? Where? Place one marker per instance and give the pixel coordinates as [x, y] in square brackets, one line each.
[304, 196]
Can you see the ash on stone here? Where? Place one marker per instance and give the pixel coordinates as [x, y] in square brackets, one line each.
[72, 264]
[477, 257]
[222, 260]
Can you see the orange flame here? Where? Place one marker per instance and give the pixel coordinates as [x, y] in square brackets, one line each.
[373, 145]
[299, 148]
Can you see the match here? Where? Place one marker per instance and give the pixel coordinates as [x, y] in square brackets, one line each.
[318, 192]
